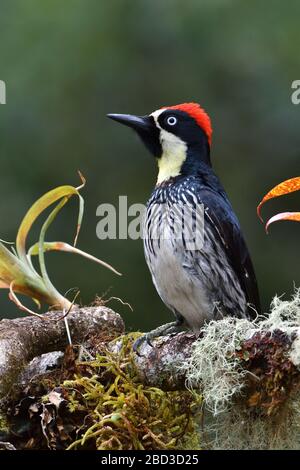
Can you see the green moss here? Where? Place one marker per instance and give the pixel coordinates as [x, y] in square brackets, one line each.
[125, 414]
[3, 424]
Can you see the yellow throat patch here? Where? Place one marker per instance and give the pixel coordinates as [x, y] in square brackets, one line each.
[174, 152]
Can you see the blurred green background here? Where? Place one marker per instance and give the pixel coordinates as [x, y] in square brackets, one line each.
[67, 64]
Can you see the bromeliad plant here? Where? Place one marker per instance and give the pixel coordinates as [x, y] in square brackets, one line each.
[17, 272]
[286, 187]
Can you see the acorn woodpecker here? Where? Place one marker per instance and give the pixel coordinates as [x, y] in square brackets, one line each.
[193, 244]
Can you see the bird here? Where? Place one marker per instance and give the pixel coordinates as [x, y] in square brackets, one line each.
[204, 273]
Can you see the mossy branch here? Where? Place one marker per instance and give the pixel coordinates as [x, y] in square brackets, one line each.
[23, 339]
[241, 368]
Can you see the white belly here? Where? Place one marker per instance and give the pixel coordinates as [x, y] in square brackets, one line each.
[180, 291]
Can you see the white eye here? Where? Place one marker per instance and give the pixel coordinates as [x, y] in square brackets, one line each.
[172, 120]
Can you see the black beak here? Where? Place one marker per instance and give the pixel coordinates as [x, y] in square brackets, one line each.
[145, 127]
[138, 123]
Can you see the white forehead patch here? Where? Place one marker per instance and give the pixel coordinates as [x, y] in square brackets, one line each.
[174, 152]
[156, 115]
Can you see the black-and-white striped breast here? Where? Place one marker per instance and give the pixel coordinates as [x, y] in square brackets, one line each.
[198, 282]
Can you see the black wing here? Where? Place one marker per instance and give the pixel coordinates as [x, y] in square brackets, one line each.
[227, 229]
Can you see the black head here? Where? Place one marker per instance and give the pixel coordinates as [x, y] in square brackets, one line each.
[178, 136]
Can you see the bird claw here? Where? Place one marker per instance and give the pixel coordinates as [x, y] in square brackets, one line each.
[168, 329]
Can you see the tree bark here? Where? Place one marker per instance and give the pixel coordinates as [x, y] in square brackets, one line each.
[160, 365]
[23, 339]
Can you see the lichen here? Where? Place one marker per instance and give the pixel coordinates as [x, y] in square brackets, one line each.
[248, 373]
[240, 428]
[214, 366]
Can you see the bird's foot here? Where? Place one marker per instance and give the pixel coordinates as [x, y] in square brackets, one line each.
[168, 329]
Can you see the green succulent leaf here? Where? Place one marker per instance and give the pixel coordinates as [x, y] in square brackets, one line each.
[62, 192]
[17, 272]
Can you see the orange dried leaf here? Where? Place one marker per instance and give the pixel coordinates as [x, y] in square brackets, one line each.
[254, 399]
[286, 187]
[294, 216]
[14, 298]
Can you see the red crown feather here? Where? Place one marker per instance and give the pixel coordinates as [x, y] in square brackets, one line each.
[196, 112]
